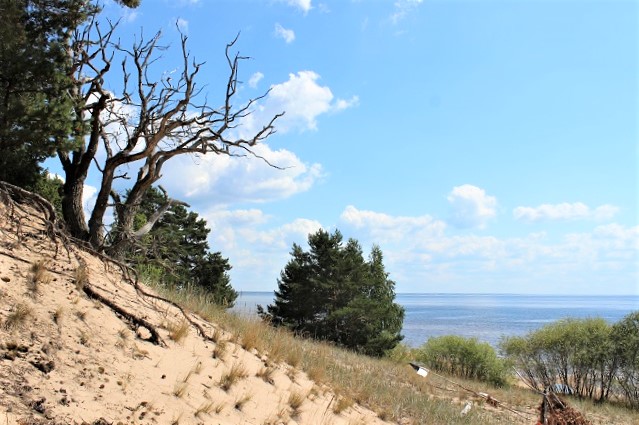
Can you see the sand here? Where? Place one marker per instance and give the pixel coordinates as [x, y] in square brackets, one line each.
[68, 359]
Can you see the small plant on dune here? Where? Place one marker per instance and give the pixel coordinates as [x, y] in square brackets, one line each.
[342, 403]
[294, 357]
[292, 374]
[316, 373]
[229, 378]
[219, 350]
[266, 373]
[206, 407]
[251, 337]
[179, 390]
[39, 275]
[18, 316]
[216, 335]
[80, 277]
[84, 338]
[57, 315]
[240, 402]
[178, 330]
[82, 315]
[295, 401]
[219, 407]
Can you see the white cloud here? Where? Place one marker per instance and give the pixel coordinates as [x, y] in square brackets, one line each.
[386, 228]
[229, 180]
[285, 34]
[304, 5]
[564, 211]
[403, 8]
[341, 104]
[302, 98]
[470, 206]
[255, 79]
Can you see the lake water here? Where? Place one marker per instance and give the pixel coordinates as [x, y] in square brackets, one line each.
[486, 317]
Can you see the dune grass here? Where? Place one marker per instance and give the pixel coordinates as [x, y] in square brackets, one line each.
[388, 387]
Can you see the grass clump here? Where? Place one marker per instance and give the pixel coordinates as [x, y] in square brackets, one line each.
[178, 331]
[266, 373]
[80, 277]
[206, 407]
[295, 401]
[18, 316]
[240, 402]
[38, 276]
[341, 404]
[228, 379]
[57, 315]
[179, 389]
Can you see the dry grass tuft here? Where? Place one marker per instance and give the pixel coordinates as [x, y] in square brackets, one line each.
[266, 373]
[341, 404]
[295, 401]
[206, 407]
[80, 277]
[251, 337]
[82, 315]
[178, 330]
[228, 379]
[39, 275]
[85, 337]
[18, 316]
[219, 350]
[240, 402]
[57, 315]
[179, 390]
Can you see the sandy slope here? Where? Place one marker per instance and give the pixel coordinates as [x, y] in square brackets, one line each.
[65, 358]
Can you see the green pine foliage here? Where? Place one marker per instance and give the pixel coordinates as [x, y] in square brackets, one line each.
[177, 252]
[331, 293]
[36, 111]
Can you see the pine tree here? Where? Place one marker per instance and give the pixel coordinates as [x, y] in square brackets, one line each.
[36, 112]
[332, 293]
[177, 246]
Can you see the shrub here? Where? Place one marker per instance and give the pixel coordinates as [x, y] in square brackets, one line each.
[625, 337]
[573, 352]
[465, 358]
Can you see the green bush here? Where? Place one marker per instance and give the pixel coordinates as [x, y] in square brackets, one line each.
[465, 358]
[625, 337]
[574, 352]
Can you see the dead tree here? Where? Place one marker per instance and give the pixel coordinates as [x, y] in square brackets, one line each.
[146, 124]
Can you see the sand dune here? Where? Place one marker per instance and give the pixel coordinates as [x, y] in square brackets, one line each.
[66, 358]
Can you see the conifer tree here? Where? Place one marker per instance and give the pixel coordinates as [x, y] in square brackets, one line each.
[332, 293]
[177, 248]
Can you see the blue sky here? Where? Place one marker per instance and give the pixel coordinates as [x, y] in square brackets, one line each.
[486, 146]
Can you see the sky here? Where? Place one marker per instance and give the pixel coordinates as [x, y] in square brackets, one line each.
[485, 146]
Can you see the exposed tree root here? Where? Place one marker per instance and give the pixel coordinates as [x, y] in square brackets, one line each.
[16, 198]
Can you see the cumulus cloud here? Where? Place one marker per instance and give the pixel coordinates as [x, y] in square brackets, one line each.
[386, 228]
[255, 79]
[229, 180]
[470, 206]
[285, 34]
[303, 100]
[303, 5]
[564, 211]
